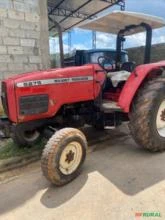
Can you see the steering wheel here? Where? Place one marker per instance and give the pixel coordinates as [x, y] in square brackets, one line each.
[103, 60]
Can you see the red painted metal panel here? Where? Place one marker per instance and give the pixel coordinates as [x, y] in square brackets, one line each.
[134, 82]
[59, 94]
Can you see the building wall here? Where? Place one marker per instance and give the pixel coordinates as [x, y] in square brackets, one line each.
[157, 53]
[24, 44]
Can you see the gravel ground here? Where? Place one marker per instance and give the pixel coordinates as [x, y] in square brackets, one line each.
[118, 180]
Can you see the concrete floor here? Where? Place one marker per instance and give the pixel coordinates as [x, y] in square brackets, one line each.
[118, 180]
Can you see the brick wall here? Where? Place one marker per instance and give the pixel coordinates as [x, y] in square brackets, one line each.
[23, 36]
[157, 53]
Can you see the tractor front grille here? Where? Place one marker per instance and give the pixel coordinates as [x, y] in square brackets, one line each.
[4, 97]
[34, 104]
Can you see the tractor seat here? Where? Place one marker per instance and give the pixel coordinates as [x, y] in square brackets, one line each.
[117, 77]
[128, 66]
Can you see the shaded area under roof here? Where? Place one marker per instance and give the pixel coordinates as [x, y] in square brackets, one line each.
[70, 13]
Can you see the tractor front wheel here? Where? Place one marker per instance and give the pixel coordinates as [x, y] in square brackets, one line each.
[147, 116]
[63, 156]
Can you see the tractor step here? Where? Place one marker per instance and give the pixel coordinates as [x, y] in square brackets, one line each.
[109, 106]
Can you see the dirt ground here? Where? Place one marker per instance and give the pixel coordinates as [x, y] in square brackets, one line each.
[118, 180]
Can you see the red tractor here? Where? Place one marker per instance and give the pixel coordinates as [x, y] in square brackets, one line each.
[58, 101]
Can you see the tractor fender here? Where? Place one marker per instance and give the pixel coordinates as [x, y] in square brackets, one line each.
[135, 80]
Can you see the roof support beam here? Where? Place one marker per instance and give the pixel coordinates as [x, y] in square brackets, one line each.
[121, 3]
[54, 8]
[76, 10]
[75, 13]
[115, 2]
[66, 12]
[57, 10]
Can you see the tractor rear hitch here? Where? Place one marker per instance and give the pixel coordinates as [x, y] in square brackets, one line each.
[5, 127]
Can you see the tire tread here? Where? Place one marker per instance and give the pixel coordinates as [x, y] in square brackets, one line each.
[140, 115]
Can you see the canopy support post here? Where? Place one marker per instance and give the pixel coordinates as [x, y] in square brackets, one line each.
[120, 39]
[147, 54]
[56, 24]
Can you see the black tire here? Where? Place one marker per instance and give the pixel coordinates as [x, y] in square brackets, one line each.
[23, 138]
[52, 154]
[143, 115]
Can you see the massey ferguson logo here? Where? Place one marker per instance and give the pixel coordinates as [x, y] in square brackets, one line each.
[54, 81]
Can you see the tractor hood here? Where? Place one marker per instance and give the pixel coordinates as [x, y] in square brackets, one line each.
[31, 75]
[55, 87]
[36, 78]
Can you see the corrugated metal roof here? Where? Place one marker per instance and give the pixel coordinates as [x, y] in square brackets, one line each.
[70, 13]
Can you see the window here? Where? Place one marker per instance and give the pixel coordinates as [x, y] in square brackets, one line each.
[93, 57]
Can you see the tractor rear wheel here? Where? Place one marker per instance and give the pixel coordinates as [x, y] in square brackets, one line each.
[23, 138]
[147, 116]
[63, 156]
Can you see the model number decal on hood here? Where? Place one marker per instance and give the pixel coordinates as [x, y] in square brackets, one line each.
[54, 81]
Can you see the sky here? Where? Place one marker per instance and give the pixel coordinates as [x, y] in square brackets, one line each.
[82, 39]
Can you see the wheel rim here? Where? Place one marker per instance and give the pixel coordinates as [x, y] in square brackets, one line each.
[160, 120]
[70, 158]
[31, 135]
